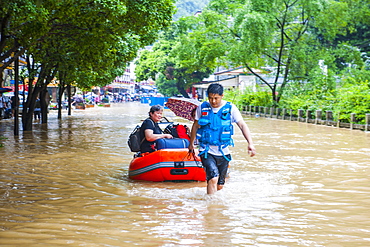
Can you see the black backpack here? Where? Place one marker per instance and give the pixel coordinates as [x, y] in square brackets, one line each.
[135, 140]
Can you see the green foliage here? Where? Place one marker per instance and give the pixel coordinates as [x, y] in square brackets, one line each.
[353, 96]
[88, 42]
[259, 98]
[272, 34]
[92, 37]
[249, 97]
[22, 23]
[350, 94]
[176, 56]
[353, 99]
[317, 94]
[166, 87]
[357, 32]
[290, 39]
[152, 62]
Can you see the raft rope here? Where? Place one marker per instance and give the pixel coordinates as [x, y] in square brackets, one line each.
[190, 155]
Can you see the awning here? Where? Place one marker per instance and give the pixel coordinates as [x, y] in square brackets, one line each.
[147, 87]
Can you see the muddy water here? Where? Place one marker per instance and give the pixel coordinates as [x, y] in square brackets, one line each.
[66, 184]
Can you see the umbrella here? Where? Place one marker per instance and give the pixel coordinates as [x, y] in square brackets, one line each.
[4, 89]
[183, 107]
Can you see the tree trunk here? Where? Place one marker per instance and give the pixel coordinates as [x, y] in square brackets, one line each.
[182, 89]
[69, 93]
[44, 101]
[60, 96]
[29, 107]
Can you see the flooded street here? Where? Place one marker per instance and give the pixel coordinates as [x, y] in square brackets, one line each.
[66, 183]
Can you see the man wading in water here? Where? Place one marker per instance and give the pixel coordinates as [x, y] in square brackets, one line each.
[213, 128]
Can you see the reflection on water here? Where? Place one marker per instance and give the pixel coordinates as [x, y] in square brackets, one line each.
[66, 183]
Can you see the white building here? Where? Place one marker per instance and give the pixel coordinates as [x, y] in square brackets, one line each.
[125, 82]
[237, 78]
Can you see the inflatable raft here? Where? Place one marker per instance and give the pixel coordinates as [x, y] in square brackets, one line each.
[167, 164]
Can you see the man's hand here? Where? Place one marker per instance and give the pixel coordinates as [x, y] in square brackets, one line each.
[251, 150]
[191, 148]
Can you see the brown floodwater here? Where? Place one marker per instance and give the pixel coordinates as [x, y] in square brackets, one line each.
[66, 183]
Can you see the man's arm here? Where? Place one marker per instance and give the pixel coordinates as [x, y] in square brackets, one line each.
[193, 135]
[247, 135]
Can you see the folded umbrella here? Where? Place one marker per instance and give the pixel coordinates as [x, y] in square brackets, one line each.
[183, 107]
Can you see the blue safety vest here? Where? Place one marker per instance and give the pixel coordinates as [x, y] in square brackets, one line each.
[215, 128]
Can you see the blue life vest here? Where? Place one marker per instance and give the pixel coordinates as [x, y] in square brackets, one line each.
[215, 129]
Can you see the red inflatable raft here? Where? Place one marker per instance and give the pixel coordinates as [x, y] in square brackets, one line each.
[167, 165]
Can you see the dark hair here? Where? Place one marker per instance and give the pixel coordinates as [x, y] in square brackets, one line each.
[215, 88]
[155, 108]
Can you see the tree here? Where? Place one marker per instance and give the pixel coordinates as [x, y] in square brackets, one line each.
[166, 87]
[22, 23]
[174, 56]
[358, 30]
[280, 35]
[97, 38]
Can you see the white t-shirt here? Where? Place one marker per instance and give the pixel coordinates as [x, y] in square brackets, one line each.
[236, 116]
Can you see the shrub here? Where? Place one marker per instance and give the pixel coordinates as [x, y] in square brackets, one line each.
[353, 98]
[350, 95]
[248, 97]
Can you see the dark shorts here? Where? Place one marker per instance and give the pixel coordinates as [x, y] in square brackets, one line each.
[216, 166]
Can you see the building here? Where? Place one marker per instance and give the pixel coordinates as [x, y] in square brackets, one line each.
[236, 78]
[124, 83]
